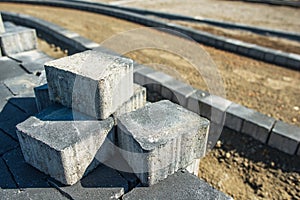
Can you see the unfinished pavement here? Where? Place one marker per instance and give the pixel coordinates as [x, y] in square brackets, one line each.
[22, 181]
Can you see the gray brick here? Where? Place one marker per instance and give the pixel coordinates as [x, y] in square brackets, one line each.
[256, 53]
[150, 153]
[138, 100]
[285, 137]
[10, 116]
[103, 182]
[22, 86]
[140, 75]
[2, 29]
[17, 40]
[177, 91]
[214, 107]
[42, 97]
[6, 143]
[9, 68]
[57, 140]
[32, 194]
[269, 57]
[193, 102]
[25, 175]
[91, 82]
[248, 121]
[181, 185]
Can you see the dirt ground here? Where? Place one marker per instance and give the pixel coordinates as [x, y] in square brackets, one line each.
[231, 167]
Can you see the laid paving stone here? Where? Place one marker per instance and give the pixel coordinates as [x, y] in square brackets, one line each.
[180, 185]
[285, 137]
[149, 135]
[155, 80]
[25, 175]
[103, 182]
[91, 82]
[18, 39]
[6, 180]
[33, 61]
[22, 86]
[9, 68]
[6, 143]
[10, 116]
[138, 100]
[58, 139]
[32, 194]
[214, 108]
[42, 97]
[140, 74]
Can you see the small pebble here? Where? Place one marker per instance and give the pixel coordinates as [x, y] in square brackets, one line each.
[296, 108]
[218, 144]
[272, 164]
[227, 155]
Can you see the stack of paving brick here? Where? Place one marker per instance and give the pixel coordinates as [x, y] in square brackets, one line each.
[90, 110]
[16, 39]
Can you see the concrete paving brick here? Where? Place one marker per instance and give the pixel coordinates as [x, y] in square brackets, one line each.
[2, 29]
[6, 143]
[91, 82]
[10, 116]
[24, 175]
[103, 182]
[8, 25]
[214, 108]
[22, 86]
[248, 121]
[177, 91]
[9, 68]
[32, 194]
[281, 59]
[42, 97]
[171, 138]
[17, 40]
[285, 137]
[193, 102]
[138, 100]
[140, 75]
[180, 185]
[57, 140]
[6, 180]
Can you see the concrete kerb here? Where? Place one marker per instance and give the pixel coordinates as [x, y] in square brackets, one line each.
[257, 53]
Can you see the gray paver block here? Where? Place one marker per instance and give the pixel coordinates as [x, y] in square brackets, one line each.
[140, 75]
[180, 185]
[138, 100]
[58, 140]
[103, 182]
[42, 97]
[2, 29]
[91, 82]
[25, 175]
[17, 40]
[161, 138]
[214, 108]
[9, 68]
[22, 86]
[10, 116]
[32, 194]
[193, 102]
[155, 80]
[6, 143]
[248, 121]
[285, 137]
